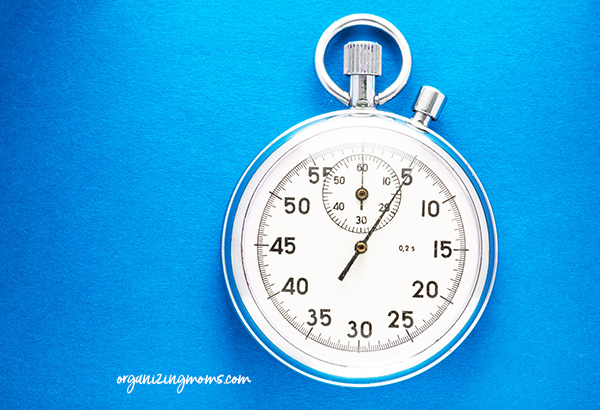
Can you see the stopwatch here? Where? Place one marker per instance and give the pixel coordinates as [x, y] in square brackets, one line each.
[359, 247]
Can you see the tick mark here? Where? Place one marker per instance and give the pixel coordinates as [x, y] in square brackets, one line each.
[449, 199]
[275, 195]
[447, 300]
[309, 332]
[273, 295]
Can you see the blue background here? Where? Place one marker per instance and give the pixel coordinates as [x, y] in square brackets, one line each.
[125, 126]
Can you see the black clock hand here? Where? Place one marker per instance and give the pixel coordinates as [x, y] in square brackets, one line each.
[361, 246]
[362, 171]
[361, 193]
[349, 265]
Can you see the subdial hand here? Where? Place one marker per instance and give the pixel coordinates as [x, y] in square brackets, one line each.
[361, 195]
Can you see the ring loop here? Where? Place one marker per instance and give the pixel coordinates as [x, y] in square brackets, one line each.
[363, 20]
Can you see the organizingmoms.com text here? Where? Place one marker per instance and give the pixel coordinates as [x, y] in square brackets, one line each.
[131, 380]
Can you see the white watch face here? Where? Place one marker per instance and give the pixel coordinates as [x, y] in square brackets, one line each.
[358, 251]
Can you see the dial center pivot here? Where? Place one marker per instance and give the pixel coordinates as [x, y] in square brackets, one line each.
[362, 194]
[360, 247]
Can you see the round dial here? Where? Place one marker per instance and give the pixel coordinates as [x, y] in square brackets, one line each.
[392, 292]
[359, 187]
[351, 301]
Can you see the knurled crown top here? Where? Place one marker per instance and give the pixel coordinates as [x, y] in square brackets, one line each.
[362, 57]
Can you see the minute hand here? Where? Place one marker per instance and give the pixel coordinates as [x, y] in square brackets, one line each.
[364, 241]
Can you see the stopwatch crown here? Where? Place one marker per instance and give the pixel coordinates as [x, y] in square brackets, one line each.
[362, 57]
[362, 62]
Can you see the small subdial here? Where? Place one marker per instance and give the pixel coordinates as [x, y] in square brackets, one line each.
[358, 189]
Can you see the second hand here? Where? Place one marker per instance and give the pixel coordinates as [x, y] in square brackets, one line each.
[361, 246]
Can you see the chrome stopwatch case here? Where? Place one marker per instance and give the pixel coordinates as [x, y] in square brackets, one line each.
[359, 247]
